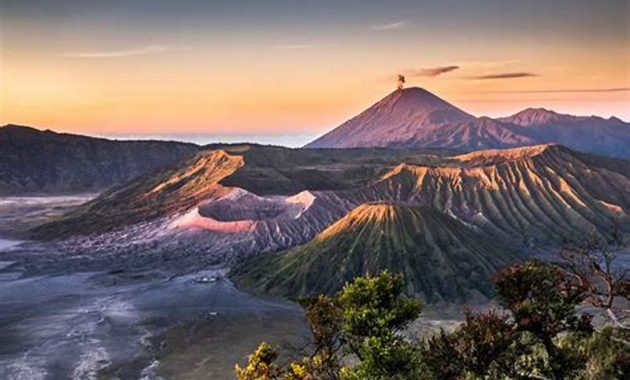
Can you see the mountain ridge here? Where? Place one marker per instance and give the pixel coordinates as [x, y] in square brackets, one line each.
[423, 124]
[531, 196]
[547, 192]
[34, 161]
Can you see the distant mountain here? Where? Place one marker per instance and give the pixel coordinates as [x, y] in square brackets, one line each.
[34, 161]
[593, 134]
[414, 117]
[539, 116]
[440, 257]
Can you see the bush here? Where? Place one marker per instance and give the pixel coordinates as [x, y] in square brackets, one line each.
[540, 335]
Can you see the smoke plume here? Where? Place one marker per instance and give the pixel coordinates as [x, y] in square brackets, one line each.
[401, 81]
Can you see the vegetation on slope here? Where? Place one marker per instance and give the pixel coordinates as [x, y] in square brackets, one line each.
[439, 256]
[539, 335]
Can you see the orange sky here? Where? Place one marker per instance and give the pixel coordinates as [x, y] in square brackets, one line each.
[300, 78]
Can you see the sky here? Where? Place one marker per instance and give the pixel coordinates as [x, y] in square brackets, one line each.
[295, 69]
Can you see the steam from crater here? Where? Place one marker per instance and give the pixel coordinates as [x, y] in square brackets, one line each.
[401, 81]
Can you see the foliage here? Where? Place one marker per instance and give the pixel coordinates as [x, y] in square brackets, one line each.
[480, 347]
[590, 261]
[362, 321]
[375, 311]
[260, 365]
[375, 307]
[542, 305]
[357, 335]
[543, 301]
[324, 315]
[607, 353]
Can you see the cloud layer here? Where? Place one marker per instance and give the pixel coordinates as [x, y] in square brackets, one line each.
[432, 71]
[569, 90]
[513, 75]
[390, 26]
[143, 50]
[295, 47]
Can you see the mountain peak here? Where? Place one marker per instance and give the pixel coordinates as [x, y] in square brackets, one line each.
[394, 119]
[413, 98]
[414, 91]
[377, 212]
[536, 116]
[495, 156]
[377, 236]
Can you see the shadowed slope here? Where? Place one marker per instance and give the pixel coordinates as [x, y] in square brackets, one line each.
[34, 161]
[440, 257]
[532, 196]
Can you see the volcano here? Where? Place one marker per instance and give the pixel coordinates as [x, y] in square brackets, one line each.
[394, 120]
[441, 258]
[416, 118]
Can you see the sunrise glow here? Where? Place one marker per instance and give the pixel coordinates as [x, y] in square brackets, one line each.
[285, 68]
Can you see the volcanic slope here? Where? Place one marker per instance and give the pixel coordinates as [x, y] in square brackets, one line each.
[532, 196]
[217, 173]
[541, 194]
[440, 257]
[148, 197]
[394, 120]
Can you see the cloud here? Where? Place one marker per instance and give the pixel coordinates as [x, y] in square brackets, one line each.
[513, 75]
[295, 47]
[490, 64]
[143, 50]
[563, 91]
[390, 26]
[432, 71]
